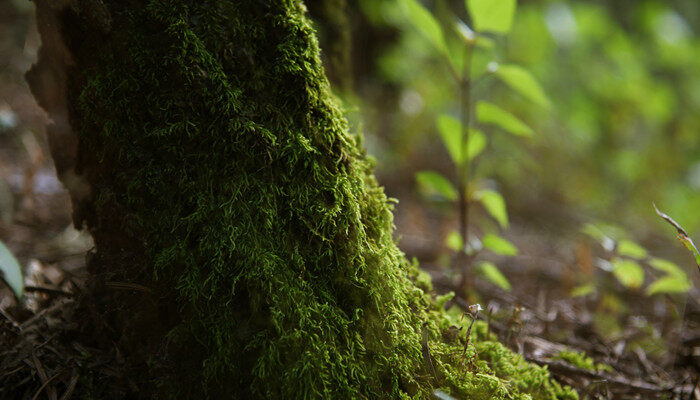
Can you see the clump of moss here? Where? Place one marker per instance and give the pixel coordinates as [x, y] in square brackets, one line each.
[581, 360]
[491, 370]
[224, 179]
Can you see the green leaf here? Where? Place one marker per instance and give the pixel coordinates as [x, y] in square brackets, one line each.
[477, 143]
[499, 245]
[424, 21]
[682, 235]
[489, 113]
[583, 290]
[454, 241]
[492, 274]
[631, 249]
[435, 184]
[520, 80]
[594, 232]
[495, 205]
[669, 284]
[668, 267]
[598, 234]
[450, 130]
[674, 281]
[688, 243]
[628, 272]
[492, 15]
[12, 272]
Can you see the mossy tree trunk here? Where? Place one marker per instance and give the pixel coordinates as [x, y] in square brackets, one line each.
[243, 247]
[223, 179]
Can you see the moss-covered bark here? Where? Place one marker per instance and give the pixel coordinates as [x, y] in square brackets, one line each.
[243, 246]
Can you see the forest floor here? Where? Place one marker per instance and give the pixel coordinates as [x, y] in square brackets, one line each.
[640, 347]
[635, 346]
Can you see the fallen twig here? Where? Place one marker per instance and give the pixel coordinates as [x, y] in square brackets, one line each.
[38, 392]
[41, 289]
[44, 379]
[71, 386]
[128, 286]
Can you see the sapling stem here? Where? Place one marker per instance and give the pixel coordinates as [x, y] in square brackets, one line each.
[463, 173]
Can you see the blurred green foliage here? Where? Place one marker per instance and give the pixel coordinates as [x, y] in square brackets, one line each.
[623, 128]
[462, 48]
[626, 261]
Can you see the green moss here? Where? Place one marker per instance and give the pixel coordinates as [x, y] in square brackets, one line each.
[224, 178]
[581, 360]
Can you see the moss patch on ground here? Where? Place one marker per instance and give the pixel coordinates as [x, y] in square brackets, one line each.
[581, 360]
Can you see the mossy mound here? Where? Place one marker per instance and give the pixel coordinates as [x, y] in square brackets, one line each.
[224, 179]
